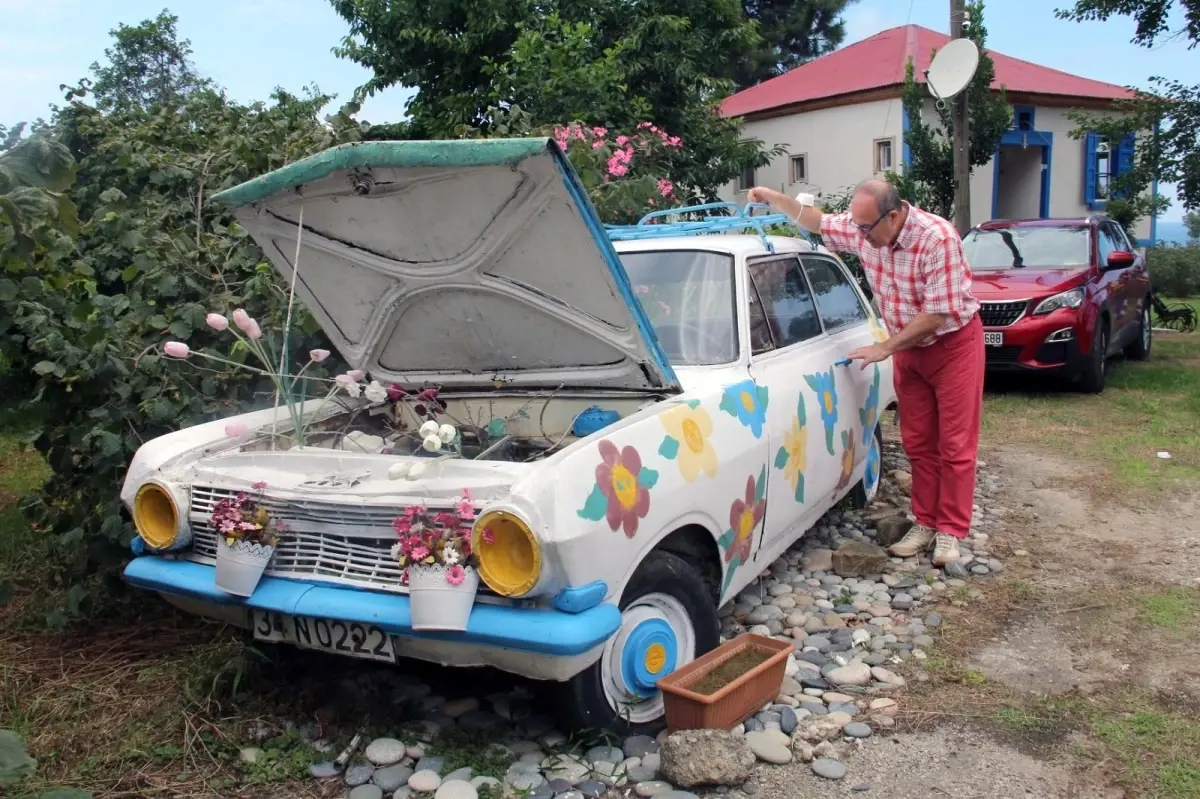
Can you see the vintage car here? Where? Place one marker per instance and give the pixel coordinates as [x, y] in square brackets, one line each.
[677, 411]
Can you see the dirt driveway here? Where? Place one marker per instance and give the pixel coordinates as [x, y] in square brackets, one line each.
[1076, 673]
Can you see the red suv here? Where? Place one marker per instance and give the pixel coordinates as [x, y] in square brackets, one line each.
[1059, 295]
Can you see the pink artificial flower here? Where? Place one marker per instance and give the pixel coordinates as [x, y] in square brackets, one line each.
[176, 349]
[217, 322]
[456, 574]
[252, 331]
[260, 485]
[488, 536]
[464, 508]
[419, 553]
[241, 319]
[641, 289]
[395, 391]
[236, 430]
[666, 309]
[318, 355]
[356, 375]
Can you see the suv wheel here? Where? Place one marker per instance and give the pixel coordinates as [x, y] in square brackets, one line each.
[668, 618]
[1139, 348]
[1092, 378]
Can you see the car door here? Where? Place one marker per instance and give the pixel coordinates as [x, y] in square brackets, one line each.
[1114, 281]
[1136, 282]
[789, 350]
[847, 423]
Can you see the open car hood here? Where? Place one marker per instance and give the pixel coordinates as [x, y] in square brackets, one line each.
[462, 263]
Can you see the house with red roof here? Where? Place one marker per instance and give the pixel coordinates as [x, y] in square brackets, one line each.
[841, 120]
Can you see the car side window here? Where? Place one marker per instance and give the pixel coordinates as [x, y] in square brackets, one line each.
[785, 311]
[839, 304]
[1107, 243]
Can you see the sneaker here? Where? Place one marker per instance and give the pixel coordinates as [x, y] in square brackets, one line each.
[945, 550]
[917, 539]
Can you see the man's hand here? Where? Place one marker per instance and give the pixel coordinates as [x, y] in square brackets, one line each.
[757, 195]
[872, 353]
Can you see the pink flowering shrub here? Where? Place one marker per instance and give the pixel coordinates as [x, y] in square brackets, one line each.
[441, 538]
[625, 174]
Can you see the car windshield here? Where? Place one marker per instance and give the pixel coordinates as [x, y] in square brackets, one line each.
[1016, 247]
[688, 295]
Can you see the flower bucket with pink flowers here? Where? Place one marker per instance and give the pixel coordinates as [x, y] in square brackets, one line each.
[435, 551]
[246, 539]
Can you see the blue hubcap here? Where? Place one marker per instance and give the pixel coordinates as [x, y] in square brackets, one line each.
[650, 653]
[871, 476]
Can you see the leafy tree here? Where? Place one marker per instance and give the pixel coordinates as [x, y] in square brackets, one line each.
[148, 64]
[601, 62]
[792, 33]
[1170, 108]
[929, 179]
[1191, 220]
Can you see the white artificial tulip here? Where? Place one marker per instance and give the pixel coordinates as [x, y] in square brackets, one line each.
[432, 443]
[398, 471]
[447, 433]
[416, 471]
[428, 429]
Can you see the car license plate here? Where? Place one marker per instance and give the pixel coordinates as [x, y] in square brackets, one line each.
[993, 339]
[325, 635]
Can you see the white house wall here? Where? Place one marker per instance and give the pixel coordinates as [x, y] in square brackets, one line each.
[839, 144]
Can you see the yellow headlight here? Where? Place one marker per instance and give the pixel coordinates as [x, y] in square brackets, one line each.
[510, 559]
[155, 516]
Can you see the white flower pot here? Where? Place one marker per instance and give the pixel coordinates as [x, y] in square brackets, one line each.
[239, 567]
[436, 604]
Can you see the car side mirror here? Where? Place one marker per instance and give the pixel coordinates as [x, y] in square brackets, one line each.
[1120, 259]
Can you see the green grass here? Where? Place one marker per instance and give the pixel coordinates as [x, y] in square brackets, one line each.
[1176, 609]
[1158, 750]
[1146, 408]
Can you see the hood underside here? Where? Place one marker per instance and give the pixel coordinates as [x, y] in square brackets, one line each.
[463, 263]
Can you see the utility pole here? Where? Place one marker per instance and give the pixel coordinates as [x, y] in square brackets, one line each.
[962, 140]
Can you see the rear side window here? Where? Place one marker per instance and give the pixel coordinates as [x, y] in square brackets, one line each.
[785, 312]
[837, 301]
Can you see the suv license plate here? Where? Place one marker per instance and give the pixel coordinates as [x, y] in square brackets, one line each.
[993, 339]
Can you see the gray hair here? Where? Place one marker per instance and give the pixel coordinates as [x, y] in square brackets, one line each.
[885, 195]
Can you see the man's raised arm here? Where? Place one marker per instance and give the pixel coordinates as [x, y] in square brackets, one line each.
[805, 214]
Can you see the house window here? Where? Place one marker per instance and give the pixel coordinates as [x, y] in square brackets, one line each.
[1023, 117]
[1104, 169]
[745, 180]
[799, 169]
[883, 155]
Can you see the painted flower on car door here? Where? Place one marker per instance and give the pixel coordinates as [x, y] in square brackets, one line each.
[825, 385]
[747, 401]
[792, 456]
[689, 440]
[745, 515]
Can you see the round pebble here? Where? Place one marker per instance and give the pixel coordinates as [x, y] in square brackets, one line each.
[425, 781]
[456, 789]
[359, 774]
[653, 788]
[367, 792]
[828, 768]
[385, 751]
[857, 729]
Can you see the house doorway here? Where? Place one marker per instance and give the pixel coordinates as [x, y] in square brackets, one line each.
[1021, 177]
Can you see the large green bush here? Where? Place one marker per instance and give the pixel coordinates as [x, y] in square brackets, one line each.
[1175, 271]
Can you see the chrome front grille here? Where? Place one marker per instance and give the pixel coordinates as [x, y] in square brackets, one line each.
[325, 541]
[1001, 314]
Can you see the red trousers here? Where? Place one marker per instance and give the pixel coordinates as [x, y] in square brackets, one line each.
[940, 393]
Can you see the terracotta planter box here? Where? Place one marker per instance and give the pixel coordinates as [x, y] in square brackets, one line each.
[734, 702]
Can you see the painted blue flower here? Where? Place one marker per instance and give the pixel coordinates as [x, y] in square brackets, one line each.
[868, 415]
[748, 402]
[824, 384]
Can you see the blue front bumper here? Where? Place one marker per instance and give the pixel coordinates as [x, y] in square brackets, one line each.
[534, 630]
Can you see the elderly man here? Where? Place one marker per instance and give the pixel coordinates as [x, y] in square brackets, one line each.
[915, 265]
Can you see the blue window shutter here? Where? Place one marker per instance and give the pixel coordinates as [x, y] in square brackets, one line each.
[1089, 170]
[1124, 159]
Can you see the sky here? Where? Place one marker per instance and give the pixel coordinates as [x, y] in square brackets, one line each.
[252, 46]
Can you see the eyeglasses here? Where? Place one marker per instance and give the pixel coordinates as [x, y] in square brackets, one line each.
[873, 225]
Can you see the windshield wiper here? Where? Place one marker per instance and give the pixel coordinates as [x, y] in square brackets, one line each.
[1007, 238]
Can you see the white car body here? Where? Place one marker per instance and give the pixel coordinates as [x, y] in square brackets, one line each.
[704, 424]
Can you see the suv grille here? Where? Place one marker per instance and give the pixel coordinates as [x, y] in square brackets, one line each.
[1001, 314]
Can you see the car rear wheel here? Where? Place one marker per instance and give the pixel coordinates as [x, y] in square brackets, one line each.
[868, 487]
[1139, 349]
[668, 619]
[1091, 380]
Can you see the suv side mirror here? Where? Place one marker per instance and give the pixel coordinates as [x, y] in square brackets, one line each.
[1120, 259]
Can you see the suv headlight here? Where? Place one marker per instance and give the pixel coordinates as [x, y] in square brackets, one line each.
[1068, 299]
[510, 557]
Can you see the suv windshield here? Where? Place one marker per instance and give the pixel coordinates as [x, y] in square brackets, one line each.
[1016, 247]
[688, 295]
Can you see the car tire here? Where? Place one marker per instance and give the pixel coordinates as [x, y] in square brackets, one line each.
[866, 489]
[1139, 348]
[666, 608]
[1095, 368]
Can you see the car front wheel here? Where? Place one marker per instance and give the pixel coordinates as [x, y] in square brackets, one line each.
[668, 619]
[1139, 348]
[1095, 368]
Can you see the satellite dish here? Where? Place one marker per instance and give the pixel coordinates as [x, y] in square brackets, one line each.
[952, 69]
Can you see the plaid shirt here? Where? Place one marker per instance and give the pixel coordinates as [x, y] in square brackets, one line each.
[925, 271]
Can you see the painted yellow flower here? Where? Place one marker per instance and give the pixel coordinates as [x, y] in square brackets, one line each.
[689, 440]
[878, 331]
[796, 444]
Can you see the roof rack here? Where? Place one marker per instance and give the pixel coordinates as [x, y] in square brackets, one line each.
[732, 218]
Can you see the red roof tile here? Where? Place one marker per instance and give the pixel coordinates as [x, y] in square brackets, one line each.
[880, 60]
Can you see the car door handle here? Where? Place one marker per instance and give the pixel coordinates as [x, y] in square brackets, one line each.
[842, 362]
